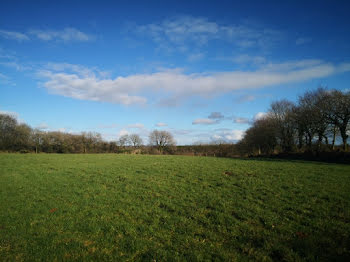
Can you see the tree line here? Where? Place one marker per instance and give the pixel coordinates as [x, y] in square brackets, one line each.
[20, 137]
[317, 122]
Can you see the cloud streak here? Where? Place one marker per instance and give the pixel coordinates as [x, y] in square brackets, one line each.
[13, 35]
[174, 84]
[68, 34]
[177, 33]
[204, 121]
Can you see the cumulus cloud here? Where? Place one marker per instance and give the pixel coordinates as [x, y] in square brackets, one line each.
[13, 35]
[204, 121]
[175, 85]
[228, 135]
[160, 124]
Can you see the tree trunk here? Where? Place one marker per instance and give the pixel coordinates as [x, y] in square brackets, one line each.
[334, 135]
[344, 137]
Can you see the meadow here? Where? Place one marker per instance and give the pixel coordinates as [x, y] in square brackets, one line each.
[110, 207]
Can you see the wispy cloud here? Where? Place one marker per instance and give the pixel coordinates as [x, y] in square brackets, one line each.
[13, 35]
[195, 57]
[241, 120]
[179, 32]
[160, 124]
[174, 84]
[16, 65]
[42, 126]
[137, 126]
[204, 121]
[68, 34]
[216, 115]
[244, 59]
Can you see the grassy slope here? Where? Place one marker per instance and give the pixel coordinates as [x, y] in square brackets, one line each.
[171, 208]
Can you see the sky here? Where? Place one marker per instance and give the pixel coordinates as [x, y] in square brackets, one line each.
[203, 70]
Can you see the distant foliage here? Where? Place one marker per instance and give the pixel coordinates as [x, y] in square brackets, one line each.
[319, 122]
[315, 123]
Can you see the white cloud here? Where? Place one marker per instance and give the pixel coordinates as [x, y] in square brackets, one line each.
[204, 121]
[17, 66]
[137, 126]
[123, 132]
[241, 120]
[234, 135]
[174, 85]
[160, 124]
[259, 115]
[13, 35]
[178, 32]
[67, 34]
[3, 76]
[42, 126]
[228, 135]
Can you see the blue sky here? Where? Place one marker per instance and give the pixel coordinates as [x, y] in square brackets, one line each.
[202, 70]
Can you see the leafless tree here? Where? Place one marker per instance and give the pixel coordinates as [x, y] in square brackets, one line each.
[282, 114]
[37, 138]
[311, 116]
[161, 139]
[338, 113]
[124, 140]
[135, 140]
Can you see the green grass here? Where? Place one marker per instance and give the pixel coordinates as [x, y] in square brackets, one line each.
[171, 208]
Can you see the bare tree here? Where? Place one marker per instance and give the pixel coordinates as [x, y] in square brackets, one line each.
[37, 139]
[311, 116]
[161, 139]
[124, 140]
[135, 140]
[338, 113]
[282, 114]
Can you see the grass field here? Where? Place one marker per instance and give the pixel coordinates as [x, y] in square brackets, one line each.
[171, 208]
